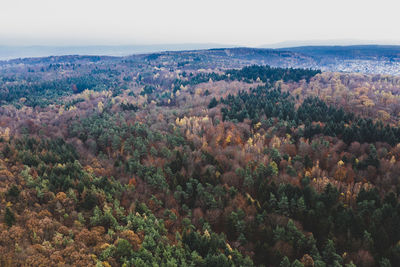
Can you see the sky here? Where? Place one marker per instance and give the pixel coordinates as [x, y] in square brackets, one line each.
[231, 22]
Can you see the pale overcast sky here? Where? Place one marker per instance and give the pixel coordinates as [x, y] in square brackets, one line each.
[250, 22]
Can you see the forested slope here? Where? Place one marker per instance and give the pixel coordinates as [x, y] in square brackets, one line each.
[150, 161]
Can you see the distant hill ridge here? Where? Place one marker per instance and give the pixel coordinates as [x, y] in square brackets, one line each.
[349, 52]
[369, 51]
[372, 59]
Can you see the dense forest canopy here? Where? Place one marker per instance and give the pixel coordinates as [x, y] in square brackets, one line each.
[171, 160]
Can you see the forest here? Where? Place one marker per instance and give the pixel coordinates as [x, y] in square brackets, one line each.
[164, 160]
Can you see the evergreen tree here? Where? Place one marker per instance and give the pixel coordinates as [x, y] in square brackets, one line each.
[283, 205]
[9, 217]
[329, 254]
[213, 103]
[285, 262]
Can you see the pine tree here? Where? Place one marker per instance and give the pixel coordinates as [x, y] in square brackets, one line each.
[329, 254]
[213, 103]
[9, 217]
[283, 205]
[285, 262]
[384, 262]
